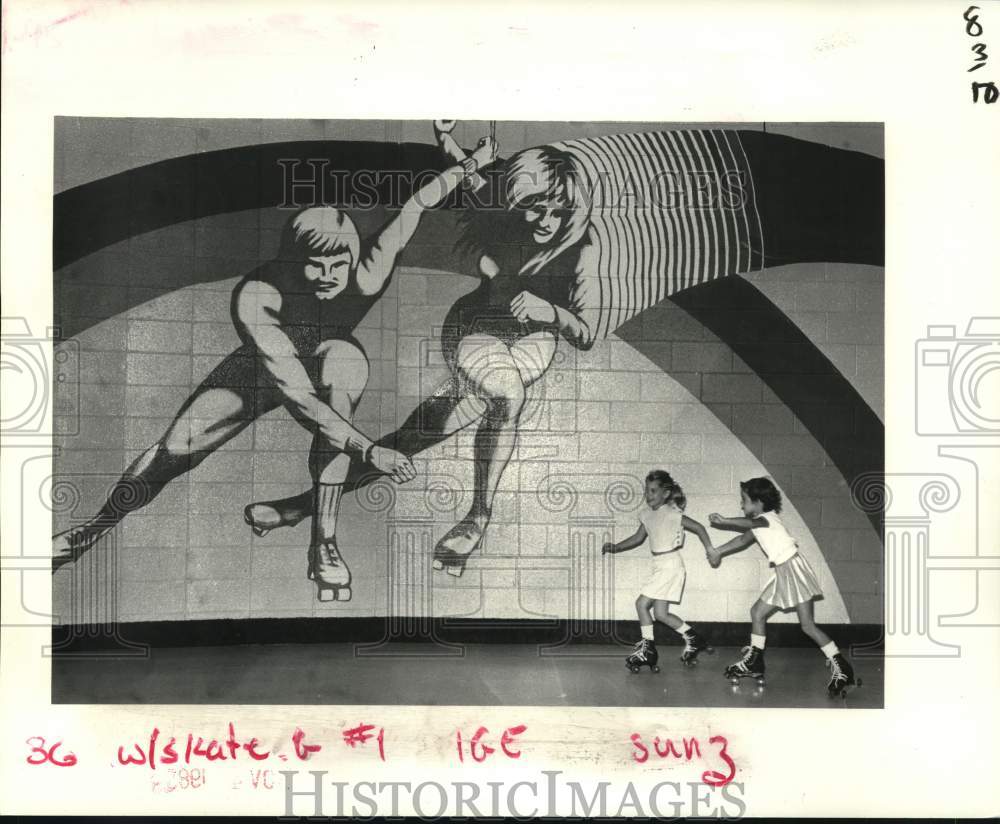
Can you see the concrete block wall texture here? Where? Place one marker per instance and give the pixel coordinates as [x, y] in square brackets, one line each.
[595, 424]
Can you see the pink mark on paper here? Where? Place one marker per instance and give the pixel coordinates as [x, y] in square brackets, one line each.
[38, 31]
[363, 27]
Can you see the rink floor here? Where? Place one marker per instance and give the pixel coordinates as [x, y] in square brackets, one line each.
[416, 673]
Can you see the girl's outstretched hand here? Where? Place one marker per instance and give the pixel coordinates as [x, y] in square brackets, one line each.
[715, 519]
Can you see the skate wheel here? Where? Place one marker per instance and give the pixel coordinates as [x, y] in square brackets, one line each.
[710, 650]
[328, 594]
[859, 682]
[761, 682]
[654, 669]
[456, 571]
[437, 564]
[734, 681]
[633, 669]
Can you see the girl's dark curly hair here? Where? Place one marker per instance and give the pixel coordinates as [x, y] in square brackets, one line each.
[764, 491]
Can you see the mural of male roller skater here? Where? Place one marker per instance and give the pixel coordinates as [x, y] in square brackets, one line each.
[613, 225]
[295, 315]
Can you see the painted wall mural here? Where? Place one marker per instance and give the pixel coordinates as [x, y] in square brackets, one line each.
[401, 369]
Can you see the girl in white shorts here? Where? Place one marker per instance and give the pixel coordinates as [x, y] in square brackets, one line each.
[662, 521]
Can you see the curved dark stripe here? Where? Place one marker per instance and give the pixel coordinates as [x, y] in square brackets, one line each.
[795, 369]
[800, 375]
[95, 215]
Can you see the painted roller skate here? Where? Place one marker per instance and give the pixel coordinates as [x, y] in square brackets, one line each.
[751, 665]
[267, 515]
[68, 546]
[456, 547]
[694, 644]
[333, 578]
[644, 654]
[841, 676]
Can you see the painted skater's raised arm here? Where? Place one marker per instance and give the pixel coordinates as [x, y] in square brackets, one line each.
[380, 259]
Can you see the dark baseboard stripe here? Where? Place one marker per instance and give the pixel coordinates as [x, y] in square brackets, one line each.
[70, 640]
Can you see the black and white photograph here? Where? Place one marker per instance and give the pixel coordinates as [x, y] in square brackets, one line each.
[499, 410]
[469, 412]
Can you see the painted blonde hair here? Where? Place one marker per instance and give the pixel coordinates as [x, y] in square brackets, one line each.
[547, 174]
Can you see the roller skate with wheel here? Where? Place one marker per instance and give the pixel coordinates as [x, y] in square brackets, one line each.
[457, 546]
[694, 645]
[841, 676]
[332, 577]
[644, 654]
[751, 665]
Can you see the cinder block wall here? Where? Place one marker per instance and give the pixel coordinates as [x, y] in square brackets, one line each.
[595, 424]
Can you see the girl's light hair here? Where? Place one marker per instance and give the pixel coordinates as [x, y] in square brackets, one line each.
[320, 230]
[674, 492]
[549, 174]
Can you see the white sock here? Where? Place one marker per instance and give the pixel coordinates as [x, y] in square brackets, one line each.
[758, 641]
[647, 631]
[829, 650]
[683, 629]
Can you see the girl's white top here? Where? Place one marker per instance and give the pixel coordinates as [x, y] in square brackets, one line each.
[664, 527]
[774, 539]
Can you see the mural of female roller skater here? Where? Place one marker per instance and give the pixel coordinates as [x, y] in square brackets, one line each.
[295, 315]
[593, 232]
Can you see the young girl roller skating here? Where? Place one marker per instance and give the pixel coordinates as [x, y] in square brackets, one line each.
[663, 522]
[794, 584]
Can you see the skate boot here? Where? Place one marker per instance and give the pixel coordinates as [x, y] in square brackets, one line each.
[644, 654]
[333, 578]
[693, 645]
[454, 549]
[69, 545]
[841, 676]
[751, 665]
[267, 515]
